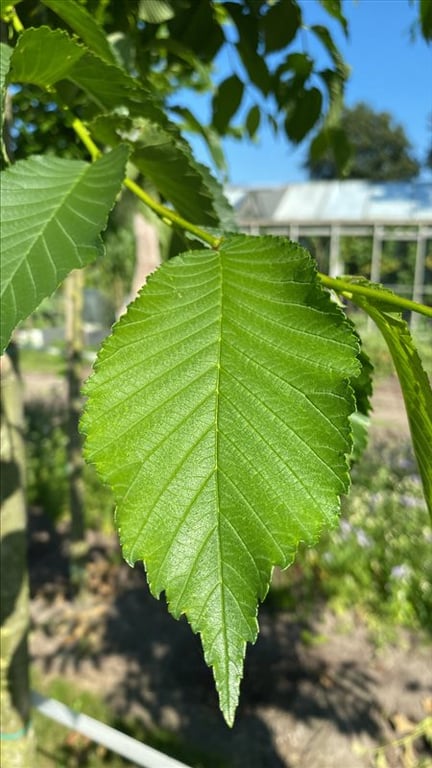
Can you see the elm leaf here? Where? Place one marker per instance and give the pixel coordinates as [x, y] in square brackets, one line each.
[52, 213]
[219, 414]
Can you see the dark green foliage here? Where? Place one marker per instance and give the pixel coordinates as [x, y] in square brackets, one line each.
[46, 439]
[380, 150]
[425, 8]
[37, 126]
[303, 112]
[253, 121]
[281, 24]
[171, 44]
[226, 102]
[379, 559]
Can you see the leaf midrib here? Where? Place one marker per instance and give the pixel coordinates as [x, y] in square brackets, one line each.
[218, 478]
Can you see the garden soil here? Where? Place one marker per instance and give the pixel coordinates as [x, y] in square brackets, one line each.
[319, 690]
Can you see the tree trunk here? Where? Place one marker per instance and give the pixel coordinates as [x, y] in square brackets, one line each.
[147, 255]
[74, 285]
[17, 742]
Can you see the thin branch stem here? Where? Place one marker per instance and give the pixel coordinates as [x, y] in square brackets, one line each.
[84, 134]
[347, 289]
[170, 216]
[12, 17]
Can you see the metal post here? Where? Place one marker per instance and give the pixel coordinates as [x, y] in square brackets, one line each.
[419, 274]
[336, 266]
[375, 273]
[294, 232]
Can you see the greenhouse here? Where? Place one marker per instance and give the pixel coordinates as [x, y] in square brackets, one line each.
[382, 231]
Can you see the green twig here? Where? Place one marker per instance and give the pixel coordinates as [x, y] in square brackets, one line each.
[84, 134]
[346, 288]
[170, 216]
[11, 17]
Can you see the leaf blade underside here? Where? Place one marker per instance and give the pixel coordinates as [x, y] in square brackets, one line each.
[219, 413]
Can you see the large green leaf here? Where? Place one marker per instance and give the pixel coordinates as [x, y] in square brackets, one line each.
[52, 211]
[415, 385]
[219, 414]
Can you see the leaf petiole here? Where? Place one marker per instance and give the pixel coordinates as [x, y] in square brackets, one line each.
[347, 288]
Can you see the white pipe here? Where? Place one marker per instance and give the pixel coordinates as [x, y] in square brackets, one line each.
[117, 742]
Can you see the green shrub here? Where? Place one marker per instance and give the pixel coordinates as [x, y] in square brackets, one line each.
[48, 471]
[379, 560]
[46, 441]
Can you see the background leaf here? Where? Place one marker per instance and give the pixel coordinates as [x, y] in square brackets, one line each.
[114, 100]
[415, 385]
[219, 413]
[52, 211]
[84, 25]
[253, 121]
[280, 24]
[226, 102]
[303, 112]
[43, 56]
[334, 8]
[425, 7]
[155, 11]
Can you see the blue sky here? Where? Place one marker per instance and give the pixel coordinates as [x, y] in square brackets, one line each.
[389, 71]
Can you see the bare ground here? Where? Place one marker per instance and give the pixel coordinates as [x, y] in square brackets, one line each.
[317, 692]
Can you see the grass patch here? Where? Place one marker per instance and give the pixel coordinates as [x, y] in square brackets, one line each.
[42, 361]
